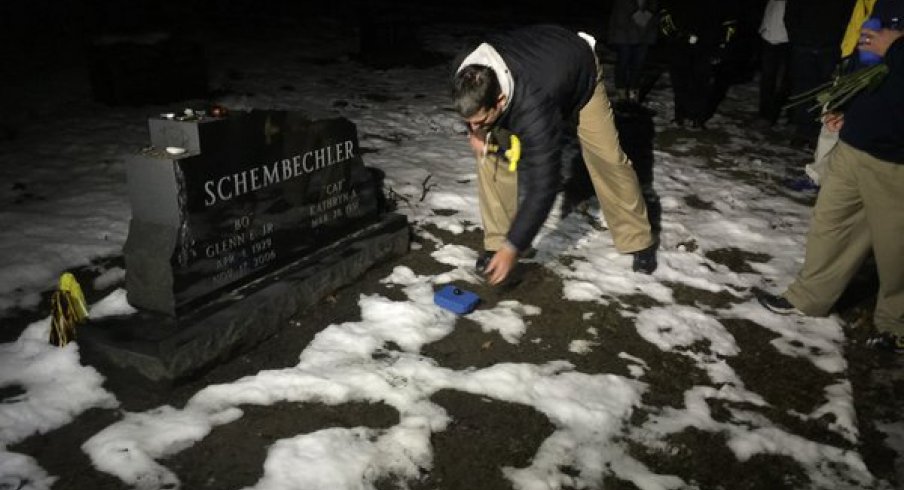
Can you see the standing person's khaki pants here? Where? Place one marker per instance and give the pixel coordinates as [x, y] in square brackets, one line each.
[613, 177]
[858, 209]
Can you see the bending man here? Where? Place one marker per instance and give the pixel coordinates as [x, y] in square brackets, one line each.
[537, 83]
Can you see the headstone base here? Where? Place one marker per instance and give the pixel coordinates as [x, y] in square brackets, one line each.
[164, 349]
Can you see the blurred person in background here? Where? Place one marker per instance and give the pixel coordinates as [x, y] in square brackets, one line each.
[539, 83]
[815, 29]
[774, 57]
[633, 26]
[697, 33]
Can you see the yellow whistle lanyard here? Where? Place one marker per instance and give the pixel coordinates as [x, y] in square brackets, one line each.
[513, 154]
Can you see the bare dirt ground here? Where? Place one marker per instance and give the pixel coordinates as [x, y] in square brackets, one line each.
[501, 433]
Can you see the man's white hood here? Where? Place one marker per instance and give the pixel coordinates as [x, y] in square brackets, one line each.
[486, 55]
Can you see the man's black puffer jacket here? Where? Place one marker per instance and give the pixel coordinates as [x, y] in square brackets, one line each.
[554, 72]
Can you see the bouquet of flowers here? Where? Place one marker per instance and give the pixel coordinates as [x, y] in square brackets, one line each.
[834, 94]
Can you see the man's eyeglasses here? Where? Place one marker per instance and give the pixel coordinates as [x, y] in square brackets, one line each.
[480, 120]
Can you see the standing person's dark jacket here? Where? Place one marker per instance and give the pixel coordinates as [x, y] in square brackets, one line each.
[703, 19]
[623, 29]
[874, 121]
[554, 72]
[817, 23]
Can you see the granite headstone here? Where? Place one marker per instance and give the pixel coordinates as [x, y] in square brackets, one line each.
[251, 193]
[238, 222]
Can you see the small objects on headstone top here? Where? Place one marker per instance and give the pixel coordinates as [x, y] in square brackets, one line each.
[218, 111]
[188, 114]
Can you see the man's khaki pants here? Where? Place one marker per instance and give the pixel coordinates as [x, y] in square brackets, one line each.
[858, 209]
[613, 177]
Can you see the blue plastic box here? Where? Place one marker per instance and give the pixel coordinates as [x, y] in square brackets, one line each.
[456, 300]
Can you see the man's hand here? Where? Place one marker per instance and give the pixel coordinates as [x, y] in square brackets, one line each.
[877, 42]
[477, 141]
[501, 264]
[833, 121]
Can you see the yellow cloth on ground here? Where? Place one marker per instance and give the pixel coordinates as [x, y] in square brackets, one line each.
[68, 309]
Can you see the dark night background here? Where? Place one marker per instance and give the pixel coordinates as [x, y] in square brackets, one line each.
[69, 34]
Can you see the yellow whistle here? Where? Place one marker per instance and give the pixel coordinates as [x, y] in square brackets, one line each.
[513, 153]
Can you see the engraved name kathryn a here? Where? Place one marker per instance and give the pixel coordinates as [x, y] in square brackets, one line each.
[253, 179]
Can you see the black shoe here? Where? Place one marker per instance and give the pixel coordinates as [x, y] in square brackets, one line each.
[645, 260]
[777, 304]
[483, 260]
[884, 341]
